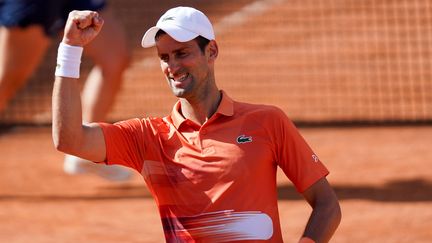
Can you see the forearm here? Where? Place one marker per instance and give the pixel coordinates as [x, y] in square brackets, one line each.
[67, 115]
[323, 222]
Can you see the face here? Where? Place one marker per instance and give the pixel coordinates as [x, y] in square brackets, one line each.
[188, 70]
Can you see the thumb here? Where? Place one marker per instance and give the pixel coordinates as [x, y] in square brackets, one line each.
[97, 23]
[83, 19]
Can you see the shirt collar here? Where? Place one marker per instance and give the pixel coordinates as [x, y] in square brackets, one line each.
[226, 108]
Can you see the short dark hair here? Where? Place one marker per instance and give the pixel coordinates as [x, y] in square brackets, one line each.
[201, 41]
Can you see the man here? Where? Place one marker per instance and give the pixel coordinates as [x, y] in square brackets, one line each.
[211, 164]
[26, 30]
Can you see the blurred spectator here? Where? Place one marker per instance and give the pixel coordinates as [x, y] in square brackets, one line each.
[27, 27]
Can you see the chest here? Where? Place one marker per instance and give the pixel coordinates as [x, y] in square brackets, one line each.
[209, 155]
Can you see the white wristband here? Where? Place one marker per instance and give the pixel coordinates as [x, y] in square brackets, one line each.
[68, 61]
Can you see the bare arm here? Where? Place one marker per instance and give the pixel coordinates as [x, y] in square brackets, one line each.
[326, 214]
[69, 134]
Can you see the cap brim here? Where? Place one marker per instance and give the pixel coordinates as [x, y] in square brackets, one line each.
[148, 39]
[177, 33]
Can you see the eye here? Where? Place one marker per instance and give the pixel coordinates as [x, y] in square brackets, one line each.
[182, 54]
[164, 58]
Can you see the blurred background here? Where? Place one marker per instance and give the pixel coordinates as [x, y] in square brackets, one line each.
[321, 61]
[354, 75]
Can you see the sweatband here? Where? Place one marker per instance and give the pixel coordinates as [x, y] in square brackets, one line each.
[68, 61]
[306, 240]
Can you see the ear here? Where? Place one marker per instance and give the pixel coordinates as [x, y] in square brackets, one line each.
[212, 50]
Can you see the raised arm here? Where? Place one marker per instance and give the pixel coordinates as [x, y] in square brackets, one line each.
[326, 213]
[70, 135]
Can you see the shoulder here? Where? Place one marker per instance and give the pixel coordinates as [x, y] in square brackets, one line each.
[138, 124]
[269, 117]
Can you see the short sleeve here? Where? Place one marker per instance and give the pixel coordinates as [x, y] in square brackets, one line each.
[125, 143]
[294, 156]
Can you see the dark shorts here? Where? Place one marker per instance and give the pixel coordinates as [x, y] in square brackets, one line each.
[50, 14]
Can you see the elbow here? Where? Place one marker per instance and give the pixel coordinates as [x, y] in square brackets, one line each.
[331, 210]
[56, 139]
[56, 143]
[334, 214]
[63, 143]
[337, 214]
[60, 145]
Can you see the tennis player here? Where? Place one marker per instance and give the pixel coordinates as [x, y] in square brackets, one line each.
[210, 164]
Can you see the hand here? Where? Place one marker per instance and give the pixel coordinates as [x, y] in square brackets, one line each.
[82, 27]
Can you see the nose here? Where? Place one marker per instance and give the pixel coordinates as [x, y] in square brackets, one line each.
[173, 66]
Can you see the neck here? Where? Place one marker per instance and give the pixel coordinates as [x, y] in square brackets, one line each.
[200, 110]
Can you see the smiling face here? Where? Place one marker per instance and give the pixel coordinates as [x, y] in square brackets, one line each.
[188, 70]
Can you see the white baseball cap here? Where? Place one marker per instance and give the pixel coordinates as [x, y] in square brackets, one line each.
[182, 24]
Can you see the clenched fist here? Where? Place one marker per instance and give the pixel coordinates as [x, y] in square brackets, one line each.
[82, 27]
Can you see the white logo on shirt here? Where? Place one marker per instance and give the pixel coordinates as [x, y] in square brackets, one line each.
[228, 225]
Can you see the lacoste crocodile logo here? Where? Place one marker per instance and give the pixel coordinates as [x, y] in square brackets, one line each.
[243, 139]
[167, 18]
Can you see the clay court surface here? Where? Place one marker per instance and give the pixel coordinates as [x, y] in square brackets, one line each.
[382, 175]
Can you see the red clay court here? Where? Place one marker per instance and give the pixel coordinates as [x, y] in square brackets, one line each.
[382, 176]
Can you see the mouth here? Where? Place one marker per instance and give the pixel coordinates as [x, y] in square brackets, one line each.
[178, 81]
[180, 78]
